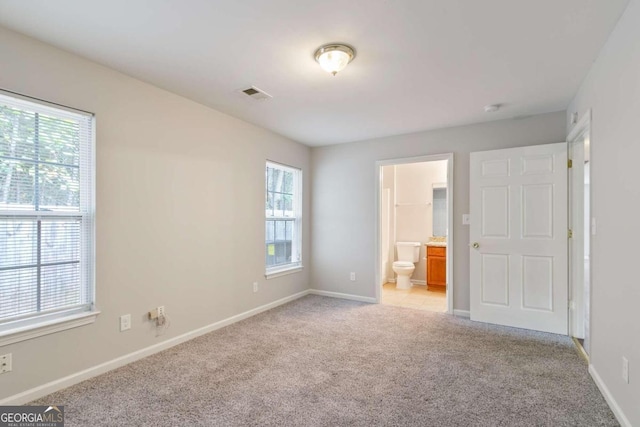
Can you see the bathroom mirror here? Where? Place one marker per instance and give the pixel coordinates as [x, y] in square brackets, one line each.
[439, 210]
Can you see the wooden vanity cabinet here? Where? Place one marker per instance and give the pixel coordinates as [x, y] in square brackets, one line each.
[436, 265]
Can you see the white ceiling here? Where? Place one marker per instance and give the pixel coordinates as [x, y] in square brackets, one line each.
[421, 64]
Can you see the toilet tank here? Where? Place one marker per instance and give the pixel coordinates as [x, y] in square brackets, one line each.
[408, 251]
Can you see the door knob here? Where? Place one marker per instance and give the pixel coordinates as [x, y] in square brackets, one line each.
[475, 245]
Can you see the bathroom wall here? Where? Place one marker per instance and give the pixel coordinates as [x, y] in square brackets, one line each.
[410, 218]
[414, 205]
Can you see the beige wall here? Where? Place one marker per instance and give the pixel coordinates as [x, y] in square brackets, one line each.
[612, 91]
[343, 187]
[180, 207]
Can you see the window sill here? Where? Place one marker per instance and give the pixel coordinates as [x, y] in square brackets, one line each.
[13, 336]
[283, 272]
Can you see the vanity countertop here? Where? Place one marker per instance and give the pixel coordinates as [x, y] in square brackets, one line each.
[439, 244]
[437, 241]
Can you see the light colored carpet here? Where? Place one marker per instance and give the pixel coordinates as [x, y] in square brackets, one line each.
[327, 362]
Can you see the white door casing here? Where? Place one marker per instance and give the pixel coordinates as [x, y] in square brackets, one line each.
[576, 223]
[385, 244]
[519, 222]
[579, 142]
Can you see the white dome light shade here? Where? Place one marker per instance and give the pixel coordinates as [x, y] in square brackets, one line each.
[334, 57]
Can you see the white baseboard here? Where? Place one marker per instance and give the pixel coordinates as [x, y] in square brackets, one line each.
[462, 313]
[343, 296]
[59, 384]
[414, 281]
[622, 419]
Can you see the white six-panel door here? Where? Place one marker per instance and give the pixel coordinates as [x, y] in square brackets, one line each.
[518, 236]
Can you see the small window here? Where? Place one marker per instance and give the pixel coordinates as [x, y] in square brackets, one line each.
[283, 219]
[46, 215]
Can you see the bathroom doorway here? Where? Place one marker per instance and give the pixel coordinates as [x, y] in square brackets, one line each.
[414, 235]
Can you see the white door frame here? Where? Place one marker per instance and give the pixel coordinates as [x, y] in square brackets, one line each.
[378, 198]
[577, 308]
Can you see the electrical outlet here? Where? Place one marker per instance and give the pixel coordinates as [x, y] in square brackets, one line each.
[625, 370]
[158, 315]
[155, 313]
[255, 287]
[125, 322]
[5, 363]
[352, 276]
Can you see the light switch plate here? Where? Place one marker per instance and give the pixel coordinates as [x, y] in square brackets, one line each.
[625, 369]
[466, 219]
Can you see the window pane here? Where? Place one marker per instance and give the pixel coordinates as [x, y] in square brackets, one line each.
[270, 252]
[275, 180]
[16, 185]
[278, 205]
[280, 230]
[283, 253]
[267, 178]
[60, 241]
[58, 140]
[18, 242]
[59, 188]
[288, 205]
[288, 183]
[17, 130]
[60, 286]
[18, 292]
[269, 204]
[289, 227]
[270, 231]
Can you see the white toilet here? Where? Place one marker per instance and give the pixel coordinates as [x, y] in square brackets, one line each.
[408, 254]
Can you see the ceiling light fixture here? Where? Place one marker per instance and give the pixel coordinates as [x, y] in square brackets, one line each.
[334, 57]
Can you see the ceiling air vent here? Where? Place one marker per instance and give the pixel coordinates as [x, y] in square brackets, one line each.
[256, 93]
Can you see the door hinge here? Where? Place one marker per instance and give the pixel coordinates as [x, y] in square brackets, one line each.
[570, 234]
[569, 163]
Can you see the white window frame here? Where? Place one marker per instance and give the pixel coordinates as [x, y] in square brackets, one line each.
[24, 327]
[296, 242]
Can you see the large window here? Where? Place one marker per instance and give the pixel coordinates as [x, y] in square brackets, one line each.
[283, 219]
[46, 214]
